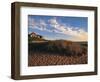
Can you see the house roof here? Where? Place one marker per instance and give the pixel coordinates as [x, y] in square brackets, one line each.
[33, 33]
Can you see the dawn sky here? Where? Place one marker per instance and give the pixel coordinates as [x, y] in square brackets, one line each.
[59, 27]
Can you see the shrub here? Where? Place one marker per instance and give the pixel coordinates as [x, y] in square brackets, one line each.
[60, 47]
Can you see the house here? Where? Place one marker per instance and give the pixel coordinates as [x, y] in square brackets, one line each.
[35, 35]
[39, 36]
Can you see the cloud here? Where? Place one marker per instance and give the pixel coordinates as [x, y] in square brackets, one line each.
[31, 22]
[40, 24]
[53, 21]
[76, 33]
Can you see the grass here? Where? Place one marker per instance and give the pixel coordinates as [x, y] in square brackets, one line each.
[58, 52]
[30, 39]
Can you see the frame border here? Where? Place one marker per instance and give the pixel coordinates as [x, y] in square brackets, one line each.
[15, 40]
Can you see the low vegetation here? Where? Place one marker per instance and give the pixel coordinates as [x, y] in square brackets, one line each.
[30, 39]
[57, 52]
[58, 47]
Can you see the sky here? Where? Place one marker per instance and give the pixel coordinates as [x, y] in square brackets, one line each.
[59, 27]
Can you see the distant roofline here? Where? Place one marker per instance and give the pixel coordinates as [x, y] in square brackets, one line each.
[33, 33]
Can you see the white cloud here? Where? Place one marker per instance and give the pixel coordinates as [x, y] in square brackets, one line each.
[31, 22]
[53, 21]
[76, 34]
[42, 24]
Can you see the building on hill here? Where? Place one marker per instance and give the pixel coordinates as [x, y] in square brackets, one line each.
[35, 35]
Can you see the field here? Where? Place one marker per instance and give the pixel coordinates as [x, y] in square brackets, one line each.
[57, 52]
